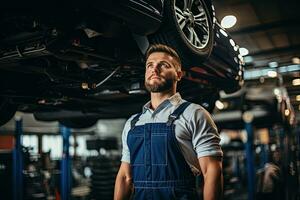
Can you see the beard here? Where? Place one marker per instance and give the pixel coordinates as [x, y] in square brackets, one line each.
[165, 85]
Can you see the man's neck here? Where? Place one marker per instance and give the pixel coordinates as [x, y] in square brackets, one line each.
[158, 98]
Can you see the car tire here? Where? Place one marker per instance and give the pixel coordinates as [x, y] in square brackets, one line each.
[191, 51]
[78, 122]
[7, 111]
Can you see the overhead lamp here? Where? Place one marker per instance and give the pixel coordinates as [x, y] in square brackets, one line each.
[286, 112]
[219, 105]
[272, 74]
[296, 60]
[276, 91]
[273, 147]
[228, 21]
[244, 51]
[298, 98]
[296, 82]
[273, 64]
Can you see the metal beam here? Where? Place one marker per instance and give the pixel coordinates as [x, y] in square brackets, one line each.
[285, 24]
[289, 49]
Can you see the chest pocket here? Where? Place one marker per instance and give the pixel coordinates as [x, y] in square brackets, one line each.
[136, 144]
[159, 148]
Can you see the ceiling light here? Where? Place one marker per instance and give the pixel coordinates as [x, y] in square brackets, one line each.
[219, 105]
[296, 60]
[298, 98]
[286, 112]
[243, 51]
[296, 82]
[276, 91]
[228, 21]
[272, 74]
[273, 64]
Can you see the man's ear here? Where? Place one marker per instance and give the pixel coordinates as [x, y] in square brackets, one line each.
[179, 75]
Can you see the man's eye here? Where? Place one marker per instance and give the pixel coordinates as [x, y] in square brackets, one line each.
[165, 65]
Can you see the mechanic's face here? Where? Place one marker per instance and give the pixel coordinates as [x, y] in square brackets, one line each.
[162, 72]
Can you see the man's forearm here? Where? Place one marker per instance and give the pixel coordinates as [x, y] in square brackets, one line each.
[213, 185]
[123, 188]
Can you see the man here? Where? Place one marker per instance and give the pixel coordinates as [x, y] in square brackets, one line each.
[269, 184]
[170, 142]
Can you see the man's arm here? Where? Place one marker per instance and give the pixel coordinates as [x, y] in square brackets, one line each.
[211, 168]
[123, 185]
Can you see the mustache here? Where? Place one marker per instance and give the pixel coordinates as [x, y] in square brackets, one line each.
[154, 75]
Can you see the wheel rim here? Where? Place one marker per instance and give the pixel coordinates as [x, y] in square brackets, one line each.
[193, 22]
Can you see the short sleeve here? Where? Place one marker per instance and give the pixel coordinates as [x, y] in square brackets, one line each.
[125, 149]
[205, 136]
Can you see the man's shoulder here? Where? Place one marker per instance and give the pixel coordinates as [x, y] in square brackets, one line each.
[132, 117]
[193, 107]
[196, 111]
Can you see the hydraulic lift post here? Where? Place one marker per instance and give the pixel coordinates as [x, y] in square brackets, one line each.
[248, 118]
[65, 164]
[18, 161]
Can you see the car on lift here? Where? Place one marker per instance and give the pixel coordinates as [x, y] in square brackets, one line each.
[265, 103]
[79, 61]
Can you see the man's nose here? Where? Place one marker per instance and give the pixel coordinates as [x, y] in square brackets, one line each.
[156, 68]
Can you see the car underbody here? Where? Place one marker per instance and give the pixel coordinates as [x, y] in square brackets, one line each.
[90, 60]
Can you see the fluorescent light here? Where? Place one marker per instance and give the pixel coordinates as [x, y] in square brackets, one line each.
[272, 74]
[296, 82]
[273, 64]
[292, 68]
[256, 73]
[243, 51]
[228, 21]
[298, 98]
[283, 69]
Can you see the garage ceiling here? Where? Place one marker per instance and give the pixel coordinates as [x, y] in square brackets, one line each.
[270, 30]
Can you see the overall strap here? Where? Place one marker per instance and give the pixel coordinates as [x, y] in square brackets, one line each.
[134, 120]
[177, 113]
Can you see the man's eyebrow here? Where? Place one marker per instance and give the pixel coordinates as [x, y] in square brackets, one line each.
[150, 62]
[165, 62]
[169, 64]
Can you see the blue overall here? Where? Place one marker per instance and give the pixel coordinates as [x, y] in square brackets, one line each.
[159, 169]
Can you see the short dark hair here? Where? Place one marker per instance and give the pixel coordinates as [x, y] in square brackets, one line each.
[165, 49]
